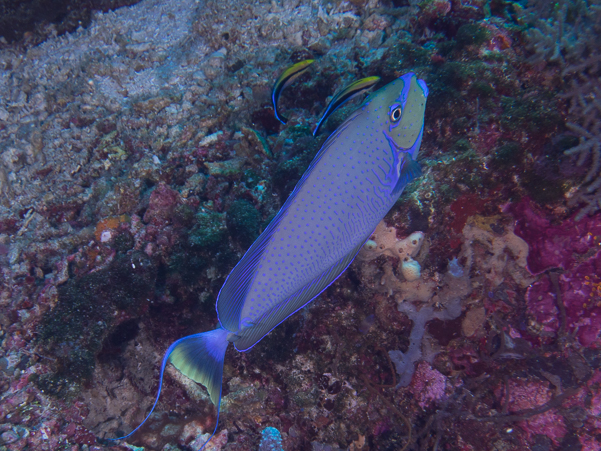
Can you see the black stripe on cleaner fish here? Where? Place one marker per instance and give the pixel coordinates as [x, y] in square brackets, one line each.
[284, 80]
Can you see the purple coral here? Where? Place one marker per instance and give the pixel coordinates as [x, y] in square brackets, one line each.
[554, 246]
[573, 246]
[520, 395]
[428, 385]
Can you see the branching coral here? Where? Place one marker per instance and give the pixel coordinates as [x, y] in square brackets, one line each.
[566, 33]
[585, 109]
[557, 34]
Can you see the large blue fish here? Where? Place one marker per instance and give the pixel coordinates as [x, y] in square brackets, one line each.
[354, 180]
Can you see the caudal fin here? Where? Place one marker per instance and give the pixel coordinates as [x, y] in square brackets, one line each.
[200, 357]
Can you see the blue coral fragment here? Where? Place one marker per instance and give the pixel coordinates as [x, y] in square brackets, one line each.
[271, 440]
[455, 269]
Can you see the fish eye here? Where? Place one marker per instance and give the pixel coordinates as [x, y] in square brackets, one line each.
[395, 114]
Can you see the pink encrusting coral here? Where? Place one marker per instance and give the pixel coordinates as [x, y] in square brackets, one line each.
[560, 245]
[587, 403]
[428, 385]
[549, 424]
[574, 247]
[521, 395]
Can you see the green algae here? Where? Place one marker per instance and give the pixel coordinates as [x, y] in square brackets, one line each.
[461, 146]
[209, 232]
[298, 131]
[544, 189]
[447, 193]
[411, 55]
[471, 34]
[507, 154]
[87, 308]
[482, 89]
[123, 242]
[188, 265]
[53, 384]
[225, 168]
[243, 221]
[184, 215]
[289, 172]
[208, 245]
[536, 113]
[448, 80]
[546, 181]
[250, 178]
[295, 160]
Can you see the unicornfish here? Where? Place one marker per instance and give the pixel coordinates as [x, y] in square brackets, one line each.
[284, 80]
[355, 178]
[348, 92]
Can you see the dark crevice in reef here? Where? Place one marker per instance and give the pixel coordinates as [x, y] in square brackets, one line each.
[33, 20]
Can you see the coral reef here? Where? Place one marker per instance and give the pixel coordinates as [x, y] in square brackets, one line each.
[140, 157]
[271, 440]
[405, 362]
[566, 34]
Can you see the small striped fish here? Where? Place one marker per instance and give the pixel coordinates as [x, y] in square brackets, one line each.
[354, 180]
[284, 80]
[349, 92]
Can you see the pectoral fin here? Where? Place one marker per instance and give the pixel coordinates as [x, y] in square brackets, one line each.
[410, 169]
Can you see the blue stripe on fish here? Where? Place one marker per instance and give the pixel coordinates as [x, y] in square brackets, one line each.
[354, 180]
